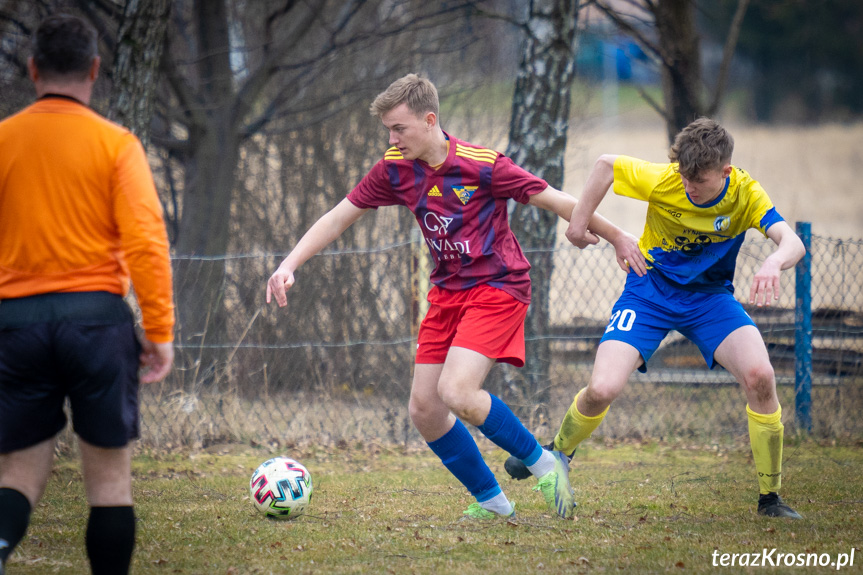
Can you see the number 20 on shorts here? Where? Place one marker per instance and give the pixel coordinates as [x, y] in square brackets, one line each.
[622, 319]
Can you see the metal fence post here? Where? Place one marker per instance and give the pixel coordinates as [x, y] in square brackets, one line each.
[803, 332]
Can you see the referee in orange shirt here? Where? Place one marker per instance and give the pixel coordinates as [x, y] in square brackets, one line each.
[79, 221]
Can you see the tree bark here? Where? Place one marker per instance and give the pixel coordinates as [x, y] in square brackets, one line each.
[140, 42]
[537, 142]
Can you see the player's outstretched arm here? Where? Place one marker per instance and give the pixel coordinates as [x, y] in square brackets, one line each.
[765, 284]
[600, 179]
[625, 244]
[320, 235]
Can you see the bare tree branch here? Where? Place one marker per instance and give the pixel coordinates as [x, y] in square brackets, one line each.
[358, 41]
[636, 34]
[728, 55]
[493, 15]
[13, 19]
[106, 35]
[113, 10]
[16, 63]
[173, 145]
[184, 92]
[257, 80]
[653, 104]
[271, 20]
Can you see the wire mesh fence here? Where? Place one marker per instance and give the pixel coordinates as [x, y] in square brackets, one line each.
[334, 367]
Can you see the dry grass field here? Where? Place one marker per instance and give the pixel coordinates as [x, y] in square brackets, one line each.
[644, 507]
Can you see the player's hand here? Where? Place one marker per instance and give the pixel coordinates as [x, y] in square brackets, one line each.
[581, 238]
[156, 360]
[765, 285]
[628, 254]
[278, 285]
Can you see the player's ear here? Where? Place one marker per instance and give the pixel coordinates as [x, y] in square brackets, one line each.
[431, 120]
[32, 69]
[94, 69]
[726, 170]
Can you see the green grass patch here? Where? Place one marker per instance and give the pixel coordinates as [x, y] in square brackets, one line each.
[643, 507]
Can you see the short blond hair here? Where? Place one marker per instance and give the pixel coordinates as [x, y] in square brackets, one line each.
[419, 94]
[702, 146]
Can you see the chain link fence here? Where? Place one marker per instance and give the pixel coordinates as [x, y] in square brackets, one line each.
[334, 367]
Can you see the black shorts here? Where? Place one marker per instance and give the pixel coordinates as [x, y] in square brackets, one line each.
[76, 345]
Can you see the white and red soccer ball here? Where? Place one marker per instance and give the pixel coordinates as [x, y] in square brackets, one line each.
[281, 487]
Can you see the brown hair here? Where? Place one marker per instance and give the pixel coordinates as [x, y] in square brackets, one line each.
[64, 46]
[419, 94]
[701, 146]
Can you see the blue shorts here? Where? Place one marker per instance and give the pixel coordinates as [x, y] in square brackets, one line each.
[77, 345]
[650, 307]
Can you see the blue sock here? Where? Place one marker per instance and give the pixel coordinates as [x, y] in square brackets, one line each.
[505, 430]
[459, 453]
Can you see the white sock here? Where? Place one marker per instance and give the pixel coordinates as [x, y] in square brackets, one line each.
[543, 465]
[498, 504]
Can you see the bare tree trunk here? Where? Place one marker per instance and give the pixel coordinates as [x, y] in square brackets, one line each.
[728, 55]
[681, 76]
[210, 178]
[537, 142]
[678, 52]
[140, 42]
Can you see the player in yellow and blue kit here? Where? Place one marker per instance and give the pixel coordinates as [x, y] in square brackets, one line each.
[699, 208]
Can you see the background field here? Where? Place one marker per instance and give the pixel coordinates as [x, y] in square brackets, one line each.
[666, 480]
[644, 507]
[810, 172]
[335, 365]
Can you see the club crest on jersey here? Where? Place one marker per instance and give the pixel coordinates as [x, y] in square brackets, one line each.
[464, 193]
[435, 192]
[721, 223]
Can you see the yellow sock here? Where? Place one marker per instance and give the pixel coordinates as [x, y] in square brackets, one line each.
[765, 437]
[576, 427]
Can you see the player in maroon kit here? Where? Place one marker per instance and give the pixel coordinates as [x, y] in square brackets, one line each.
[458, 193]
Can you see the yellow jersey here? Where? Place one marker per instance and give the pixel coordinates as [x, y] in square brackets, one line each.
[694, 246]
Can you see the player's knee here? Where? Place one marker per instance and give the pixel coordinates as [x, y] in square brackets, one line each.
[418, 412]
[453, 399]
[460, 403]
[760, 375]
[599, 396]
[760, 379]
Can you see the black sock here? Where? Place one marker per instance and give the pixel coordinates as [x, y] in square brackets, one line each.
[110, 539]
[14, 518]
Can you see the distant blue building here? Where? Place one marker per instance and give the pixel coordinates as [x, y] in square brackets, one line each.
[600, 55]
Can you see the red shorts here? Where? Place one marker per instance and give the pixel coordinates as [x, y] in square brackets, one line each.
[483, 319]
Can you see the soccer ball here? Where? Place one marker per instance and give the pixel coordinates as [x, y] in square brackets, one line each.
[281, 487]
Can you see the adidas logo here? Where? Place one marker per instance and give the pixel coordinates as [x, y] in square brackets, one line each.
[435, 192]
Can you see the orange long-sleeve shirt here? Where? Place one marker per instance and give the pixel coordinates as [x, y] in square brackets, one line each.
[79, 211]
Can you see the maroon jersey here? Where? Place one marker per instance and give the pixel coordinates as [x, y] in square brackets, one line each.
[461, 208]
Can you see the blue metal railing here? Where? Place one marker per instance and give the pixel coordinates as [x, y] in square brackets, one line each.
[803, 332]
